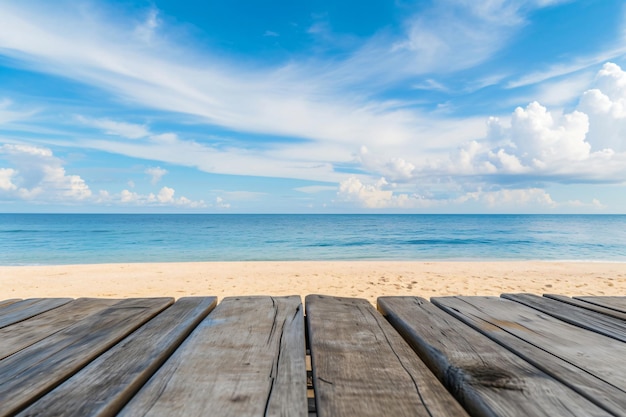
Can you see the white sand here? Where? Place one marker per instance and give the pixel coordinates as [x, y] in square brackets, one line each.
[368, 279]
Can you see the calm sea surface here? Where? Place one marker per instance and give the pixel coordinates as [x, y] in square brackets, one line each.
[32, 239]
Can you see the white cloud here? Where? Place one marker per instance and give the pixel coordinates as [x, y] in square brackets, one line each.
[164, 198]
[569, 68]
[313, 189]
[146, 30]
[606, 106]
[458, 34]
[296, 99]
[514, 161]
[166, 195]
[111, 127]
[515, 199]
[156, 173]
[36, 173]
[220, 203]
[378, 195]
[538, 145]
[559, 93]
[7, 114]
[5, 179]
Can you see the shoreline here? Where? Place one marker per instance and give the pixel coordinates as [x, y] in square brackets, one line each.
[363, 279]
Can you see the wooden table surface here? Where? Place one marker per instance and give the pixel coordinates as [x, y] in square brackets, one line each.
[514, 355]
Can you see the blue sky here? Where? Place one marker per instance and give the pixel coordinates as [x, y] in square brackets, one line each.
[449, 106]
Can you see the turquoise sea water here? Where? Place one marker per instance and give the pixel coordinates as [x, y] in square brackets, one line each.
[32, 239]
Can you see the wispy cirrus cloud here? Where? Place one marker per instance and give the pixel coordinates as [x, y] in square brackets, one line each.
[112, 127]
[137, 61]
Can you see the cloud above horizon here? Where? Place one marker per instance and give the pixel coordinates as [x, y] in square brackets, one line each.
[402, 118]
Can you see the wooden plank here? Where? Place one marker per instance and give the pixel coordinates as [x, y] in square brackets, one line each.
[26, 309]
[612, 302]
[104, 386]
[590, 320]
[587, 306]
[486, 378]
[32, 372]
[8, 302]
[588, 362]
[247, 358]
[363, 367]
[28, 332]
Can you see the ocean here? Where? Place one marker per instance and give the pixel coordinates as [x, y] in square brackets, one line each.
[50, 239]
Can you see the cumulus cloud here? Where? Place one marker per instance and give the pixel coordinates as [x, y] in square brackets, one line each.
[220, 203]
[535, 144]
[537, 140]
[165, 197]
[515, 198]
[516, 158]
[37, 173]
[606, 106]
[378, 195]
[5, 179]
[156, 173]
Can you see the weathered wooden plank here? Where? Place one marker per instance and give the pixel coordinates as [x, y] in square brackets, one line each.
[32, 372]
[587, 306]
[8, 302]
[27, 332]
[590, 320]
[612, 302]
[104, 386]
[485, 377]
[247, 358]
[588, 362]
[26, 309]
[363, 367]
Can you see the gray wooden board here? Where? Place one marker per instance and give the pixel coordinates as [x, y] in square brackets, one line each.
[587, 306]
[485, 377]
[27, 332]
[612, 302]
[104, 386]
[5, 303]
[26, 309]
[32, 372]
[247, 358]
[590, 320]
[588, 362]
[363, 367]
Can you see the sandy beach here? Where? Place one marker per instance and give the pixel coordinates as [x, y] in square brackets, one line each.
[368, 279]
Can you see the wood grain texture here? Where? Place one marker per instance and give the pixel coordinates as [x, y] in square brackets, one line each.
[25, 309]
[247, 358]
[32, 372]
[24, 333]
[104, 386]
[612, 302]
[587, 306]
[5, 303]
[590, 320]
[589, 363]
[485, 377]
[363, 367]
